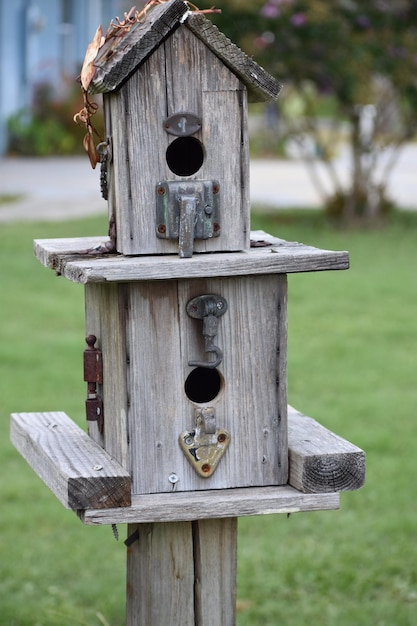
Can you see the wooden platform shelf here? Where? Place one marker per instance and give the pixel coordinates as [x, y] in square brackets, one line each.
[86, 479]
[79, 472]
[69, 258]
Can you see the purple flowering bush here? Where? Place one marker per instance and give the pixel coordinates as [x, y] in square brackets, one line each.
[361, 55]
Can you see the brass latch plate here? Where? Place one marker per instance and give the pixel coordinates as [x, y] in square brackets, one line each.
[204, 446]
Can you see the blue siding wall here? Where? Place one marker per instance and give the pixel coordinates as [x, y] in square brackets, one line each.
[45, 41]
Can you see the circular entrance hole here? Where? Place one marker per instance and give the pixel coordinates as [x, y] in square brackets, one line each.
[185, 156]
[203, 384]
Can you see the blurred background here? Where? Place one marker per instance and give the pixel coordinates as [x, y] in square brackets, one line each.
[333, 164]
[347, 111]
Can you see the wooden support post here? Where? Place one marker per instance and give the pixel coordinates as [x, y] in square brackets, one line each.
[182, 573]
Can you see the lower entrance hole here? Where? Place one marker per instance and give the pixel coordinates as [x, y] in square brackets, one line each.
[203, 384]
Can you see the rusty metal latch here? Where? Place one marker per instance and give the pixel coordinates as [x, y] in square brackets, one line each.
[187, 210]
[208, 308]
[205, 445]
[93, 376]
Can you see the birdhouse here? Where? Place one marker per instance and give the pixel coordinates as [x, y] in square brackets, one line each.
[175, 97]
[186, 355]
[185, 361]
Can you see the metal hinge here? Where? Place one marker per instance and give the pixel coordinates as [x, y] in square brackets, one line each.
[93, 376]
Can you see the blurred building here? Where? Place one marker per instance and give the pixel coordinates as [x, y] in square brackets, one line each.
[44, 42]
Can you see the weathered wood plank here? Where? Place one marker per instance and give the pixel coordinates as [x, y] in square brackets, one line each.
[78, 471]
[160, 575]
[119, 170]
[223, 115]
[215, 565]
[216, 504]
[139, 157]
[158, 410]
[104, 306]
[282, 375]
[321, 461]
[278, 258]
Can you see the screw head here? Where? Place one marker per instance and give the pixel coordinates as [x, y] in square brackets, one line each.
[205, 468]
[162, 229]
[161, 191]
[221, 438]
[173, 478]
[97, 468]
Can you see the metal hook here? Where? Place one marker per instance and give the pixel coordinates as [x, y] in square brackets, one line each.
[209, 364]
[210, 323]
[208, 308]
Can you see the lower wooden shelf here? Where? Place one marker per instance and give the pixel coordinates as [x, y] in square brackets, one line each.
[86, 479]
[185, 506]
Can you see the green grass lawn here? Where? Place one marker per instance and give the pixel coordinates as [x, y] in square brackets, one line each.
[352, 366]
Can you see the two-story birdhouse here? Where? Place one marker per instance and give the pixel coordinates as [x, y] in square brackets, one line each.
[186, 330]
[186, 322]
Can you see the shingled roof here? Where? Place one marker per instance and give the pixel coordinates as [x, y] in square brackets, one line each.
[115, 68]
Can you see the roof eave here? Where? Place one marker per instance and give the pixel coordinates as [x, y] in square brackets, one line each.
[136, 46]
[260, 84]
[144, 38]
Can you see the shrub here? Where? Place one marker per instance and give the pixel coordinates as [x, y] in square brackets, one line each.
[47, 128]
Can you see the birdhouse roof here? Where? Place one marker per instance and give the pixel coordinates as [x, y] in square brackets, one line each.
[118, 61]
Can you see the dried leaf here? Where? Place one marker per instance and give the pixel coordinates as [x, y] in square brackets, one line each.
[89, 147]
[89, 69]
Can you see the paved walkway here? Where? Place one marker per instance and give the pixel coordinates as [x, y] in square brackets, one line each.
[66, 187]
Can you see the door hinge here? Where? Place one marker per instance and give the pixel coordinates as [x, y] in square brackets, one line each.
[93, 376]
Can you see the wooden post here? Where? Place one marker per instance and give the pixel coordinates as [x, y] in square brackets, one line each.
[182, 573]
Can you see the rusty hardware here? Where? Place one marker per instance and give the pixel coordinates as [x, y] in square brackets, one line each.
[205, 445]
[93, 376]
[105, 154]
[208, 308]
[187, 210]
[182, 124]
[94, 410]
[93, 362]
[132, 538]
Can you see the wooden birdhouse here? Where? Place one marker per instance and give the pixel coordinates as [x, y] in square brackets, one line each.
[186, 356]
[186, 323]
[175, 97]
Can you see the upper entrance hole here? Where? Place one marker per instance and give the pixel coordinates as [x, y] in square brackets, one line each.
[185, 156]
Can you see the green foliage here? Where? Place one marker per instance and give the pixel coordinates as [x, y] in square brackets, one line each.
[338, 46]
[363, 55]
[47, 128]
[351, 366]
